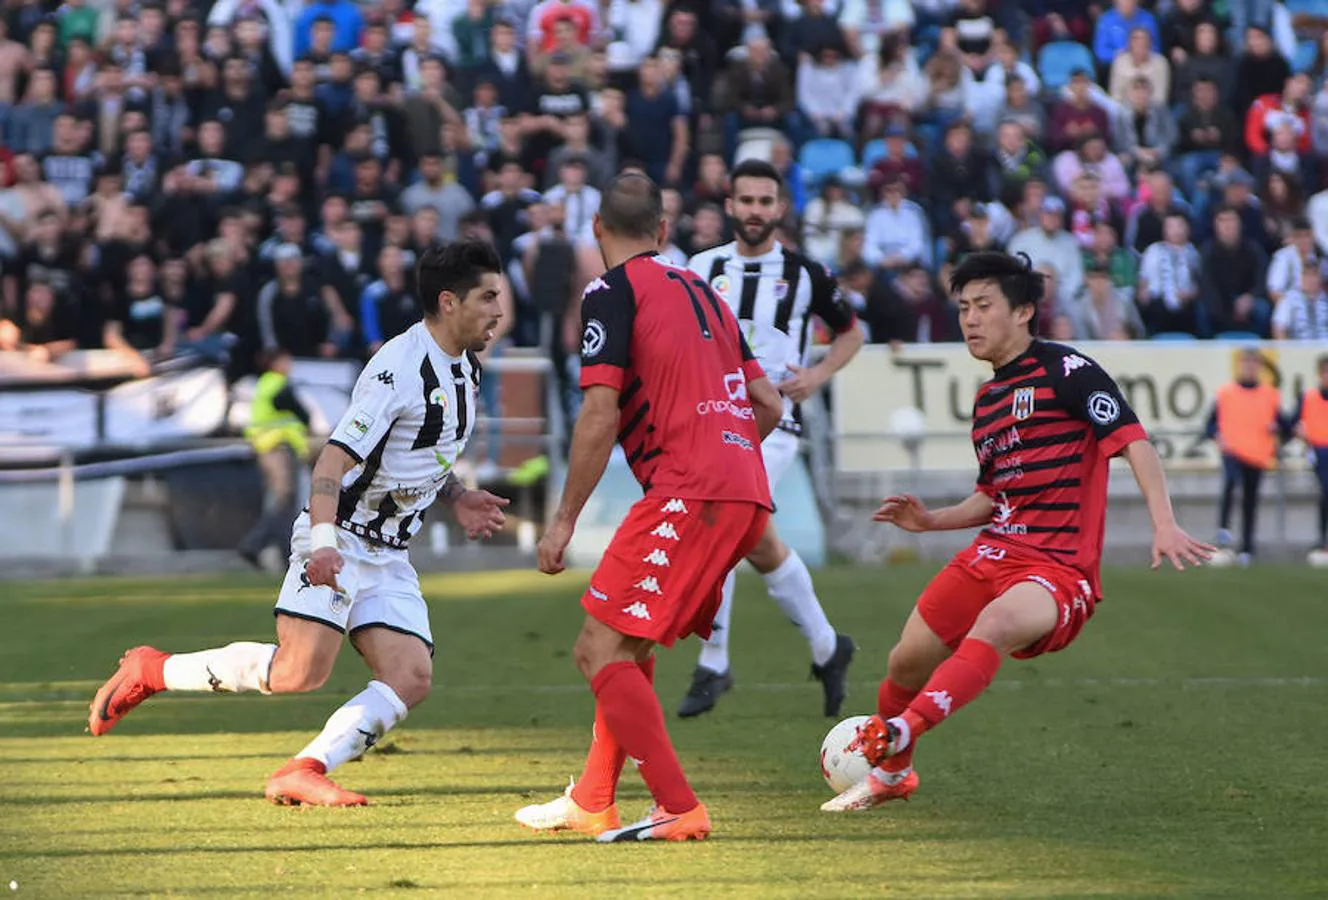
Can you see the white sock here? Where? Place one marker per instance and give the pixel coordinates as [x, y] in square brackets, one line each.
[241, 666]
[357, 726]
[791, 587]
[715, 649]
[884, 776]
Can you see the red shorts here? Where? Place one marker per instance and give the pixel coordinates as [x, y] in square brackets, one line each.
[951, 602]
[662, 574]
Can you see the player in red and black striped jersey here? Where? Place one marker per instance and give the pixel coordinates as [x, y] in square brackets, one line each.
[669, 377]
[1045, 428]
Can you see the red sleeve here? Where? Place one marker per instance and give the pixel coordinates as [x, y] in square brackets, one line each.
[605, 375]
[608, 315]
[752, 370]
[1121, 438]
[1305, 146]
[1255, 138]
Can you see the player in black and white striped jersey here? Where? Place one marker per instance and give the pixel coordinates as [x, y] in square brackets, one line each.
[775, 294]
[389, 458]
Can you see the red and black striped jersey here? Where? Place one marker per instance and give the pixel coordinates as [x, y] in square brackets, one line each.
[657, 334]
[1044, 429]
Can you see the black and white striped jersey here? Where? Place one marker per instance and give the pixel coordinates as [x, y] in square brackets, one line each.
[774, 297]
[410, 415]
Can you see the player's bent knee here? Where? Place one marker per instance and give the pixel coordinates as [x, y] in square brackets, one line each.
[769, 552]
[296, 677]
[909, 667]
[1017, 619]
[411, 683]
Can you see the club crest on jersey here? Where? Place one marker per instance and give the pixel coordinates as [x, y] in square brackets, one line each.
[781, 290]
[438, 397]
[720, 285]
[593, 338]
[1022, 406]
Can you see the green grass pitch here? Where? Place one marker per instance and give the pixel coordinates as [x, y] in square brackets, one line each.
[1176, 750]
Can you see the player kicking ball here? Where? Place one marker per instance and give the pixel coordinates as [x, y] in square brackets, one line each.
[1044, 429]
[668, 376]
[389, 458]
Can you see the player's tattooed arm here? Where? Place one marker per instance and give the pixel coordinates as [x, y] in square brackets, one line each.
[452, 489]
[325, 487]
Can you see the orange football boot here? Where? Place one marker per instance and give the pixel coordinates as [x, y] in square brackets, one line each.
[660, 825]
[137, 679]
[304, 781]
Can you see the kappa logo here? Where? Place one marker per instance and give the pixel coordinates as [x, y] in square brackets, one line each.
[657, 557]
[599, 284]
[674, 506]
[1072, 362]
[386, 378]
[1022, 405]
[1103, 408]
[598, 594]
[370, 737]
[649, 584]
[593, 338]
[1004, 510]
[944, 702]
[638, 610]
[666, 531]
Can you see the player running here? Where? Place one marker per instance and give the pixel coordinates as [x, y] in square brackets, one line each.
[774, 293]
[390, 456]
[667, 374]
[1044, 428]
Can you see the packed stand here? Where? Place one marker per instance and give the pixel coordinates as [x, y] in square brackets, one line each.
[258, 175]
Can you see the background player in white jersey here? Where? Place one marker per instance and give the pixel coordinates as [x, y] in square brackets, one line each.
[774, 293]
[391, 455]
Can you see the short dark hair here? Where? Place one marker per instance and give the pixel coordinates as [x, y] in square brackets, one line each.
[456, 268]
[1021, 284]
[632, 206]
[756, 168]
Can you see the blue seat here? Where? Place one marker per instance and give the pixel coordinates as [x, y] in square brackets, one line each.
[822, 157]
[1242, 337]
[1176, 337]
[1306, 53]
[872, 152]
[1058, 59]
[1317, 8]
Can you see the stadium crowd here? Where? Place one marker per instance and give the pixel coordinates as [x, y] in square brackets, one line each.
[255, 174]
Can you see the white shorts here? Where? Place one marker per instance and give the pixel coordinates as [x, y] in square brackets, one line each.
[379, 587]
[779, 451]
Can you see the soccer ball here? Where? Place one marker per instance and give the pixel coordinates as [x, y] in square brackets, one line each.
[841, 766]
[1318, 559]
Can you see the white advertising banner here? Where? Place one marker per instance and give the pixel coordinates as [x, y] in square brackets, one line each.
[55, 418]
[165, 408]
[1171, 387]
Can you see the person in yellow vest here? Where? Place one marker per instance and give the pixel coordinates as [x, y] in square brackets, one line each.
[279, 431]
[1312, 428]
[1246, 423]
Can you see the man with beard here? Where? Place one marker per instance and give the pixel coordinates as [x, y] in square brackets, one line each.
[774, 293]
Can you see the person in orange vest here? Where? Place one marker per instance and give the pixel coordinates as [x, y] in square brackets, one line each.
[1312, 428]
[1246, 423]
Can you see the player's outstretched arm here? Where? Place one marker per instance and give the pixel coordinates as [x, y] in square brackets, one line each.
[592, 443]
[478, 512]
[767, 405]
[911, 514]
[1169, 540]
[324, 558]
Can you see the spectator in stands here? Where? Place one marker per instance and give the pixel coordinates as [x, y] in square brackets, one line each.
[579, 201]
[900, 161]
[958, 179]
[1170, 276]
[1180, 27]
[506, 205]
[1246, 422]
[974, 233]
[1076, 115]
[1145, 129]
[1140, 60]
[1208, 59]
[44, 327]
[1090, 157]
[896, 232]
[1290, 107]
[541, 32]
[1289, 263]
[345, 17]
[1049, 244]
[1282, 202]
[1303, 313]
[388, 306]
[343, 275]
[1234, 269]
[1111, 35]
[970, 30]
[31, 125]
[891, 85]
[1104, 312]
[660, 134]
[1107, 253]
[700, 57]
[1088, 208]
[707, 228]
[48, 254]
[448, 198]
[827, 89]
[576, 144]
[828, 217]
[1206, 130]
[1022, 108]
[912, 308]
[1014, 161]
[759, 91]
[1145, 223]
[1058, 20]
[140, 324]
[293, 314]
[949, 92]
[507, 68]
[567, 45]
[1260, 70]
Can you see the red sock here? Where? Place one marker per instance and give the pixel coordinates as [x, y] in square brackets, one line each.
[892, 699]
[955, 683]
[633, 715]
[594, 790]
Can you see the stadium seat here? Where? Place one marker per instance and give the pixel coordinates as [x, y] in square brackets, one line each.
[1243, 337]
[1306, 53]
[872, 152]
[1178, 337]
[825, 156]
[1058, 59]
[1316, 8]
